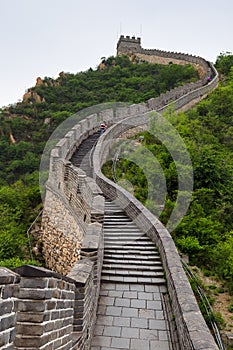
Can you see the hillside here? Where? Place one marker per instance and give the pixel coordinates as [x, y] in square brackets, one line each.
[26, 126]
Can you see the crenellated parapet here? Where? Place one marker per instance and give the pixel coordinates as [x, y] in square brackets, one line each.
[128, 45]
[132, 46]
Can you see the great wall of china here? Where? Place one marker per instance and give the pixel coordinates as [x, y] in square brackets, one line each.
[56, 308]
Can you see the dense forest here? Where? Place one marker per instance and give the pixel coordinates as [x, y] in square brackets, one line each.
[26, 126]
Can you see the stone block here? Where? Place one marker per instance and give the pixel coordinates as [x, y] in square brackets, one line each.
[10, 291]
[7, 322]
[24, 342]
[8, 276]
[29, 329]
[6, 307]
[37, 283]
[33, 317]
[32, 306]
[4, 339]
[35, 294]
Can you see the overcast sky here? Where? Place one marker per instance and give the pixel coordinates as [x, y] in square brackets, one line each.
[45, 37]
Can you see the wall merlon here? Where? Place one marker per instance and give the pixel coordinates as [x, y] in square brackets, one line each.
[78, 131]
[8, 276]
[81, 271]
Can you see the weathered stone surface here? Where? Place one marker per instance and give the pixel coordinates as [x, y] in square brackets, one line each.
[8, 277]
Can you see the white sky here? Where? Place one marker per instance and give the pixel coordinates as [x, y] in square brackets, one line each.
[45, 37]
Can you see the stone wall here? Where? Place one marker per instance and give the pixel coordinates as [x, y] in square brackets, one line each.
[132, 46]
[9, 289]
[70, 206]
[192, 330]
[41, 309]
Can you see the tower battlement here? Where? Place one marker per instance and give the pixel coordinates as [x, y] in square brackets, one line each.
[127, 45]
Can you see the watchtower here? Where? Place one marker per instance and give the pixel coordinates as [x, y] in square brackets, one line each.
[128, 45]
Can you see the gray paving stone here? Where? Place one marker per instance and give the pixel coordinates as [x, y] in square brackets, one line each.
[149, 334]
[104, 320]
[106, 300]
[143, 313]
[152, 289]
[112, 331]
[130, 295]
[157, 296]
[120, 343]
[139, 344]
[145, 296]
[158, 344]
[139, 322]
[159, 315]
[138, 303]
[122, 302]
[130, 332]
[137, 287]
[122, 286]
[115, 293]
[121, 321]
[129, 312]
[163, 335]
[157, 324]
[108, 286]
[101, 341]
[154, 304]
[113, 311]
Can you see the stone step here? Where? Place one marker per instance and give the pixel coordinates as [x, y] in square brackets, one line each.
[129, 260]
[130, 257]
[132, 273]
[142, 267]
[123, 231]
[129, 236]
[129, 244]
[117, 221]
[120, 226]
[129, 279]
[129, 249]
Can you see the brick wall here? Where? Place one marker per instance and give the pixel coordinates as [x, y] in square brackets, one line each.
[9, 289]
[41, 309]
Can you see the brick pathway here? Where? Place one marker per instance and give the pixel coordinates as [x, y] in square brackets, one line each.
[131, 316]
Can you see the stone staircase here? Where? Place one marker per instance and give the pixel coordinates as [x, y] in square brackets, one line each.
[82, 157]
[129, 255]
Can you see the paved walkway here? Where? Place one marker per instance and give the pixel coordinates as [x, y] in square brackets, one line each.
[131, 316]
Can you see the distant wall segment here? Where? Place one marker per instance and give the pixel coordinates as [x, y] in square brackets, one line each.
[131, 46]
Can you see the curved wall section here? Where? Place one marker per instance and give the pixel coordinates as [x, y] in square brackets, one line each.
[192, 330]
[74, 202]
